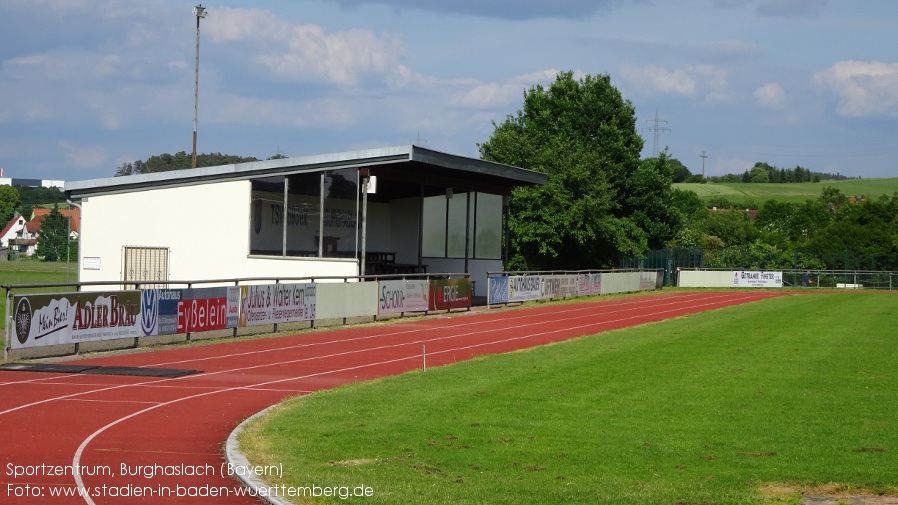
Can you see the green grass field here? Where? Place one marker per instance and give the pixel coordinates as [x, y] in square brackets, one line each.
[743, 405]
[33, 272]
[794, 193]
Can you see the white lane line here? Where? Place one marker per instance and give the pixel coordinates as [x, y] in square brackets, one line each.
[76, 460]
[370, 349]
[588, 307]
[107, 401]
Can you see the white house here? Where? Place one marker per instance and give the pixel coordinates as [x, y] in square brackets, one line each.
[297, 217]
[12, 230]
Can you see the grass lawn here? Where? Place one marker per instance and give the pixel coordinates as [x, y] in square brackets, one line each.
[735, 406]
[33, 272]
[794, 193]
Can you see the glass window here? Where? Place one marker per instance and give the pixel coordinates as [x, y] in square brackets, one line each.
[341, 192]
[303, 217]
[488, 227]
[267, 216]
[434, 244]
[457, 226]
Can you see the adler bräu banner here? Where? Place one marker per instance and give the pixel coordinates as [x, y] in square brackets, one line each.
[42, 320]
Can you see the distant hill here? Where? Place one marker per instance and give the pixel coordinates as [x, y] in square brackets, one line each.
[758, 193]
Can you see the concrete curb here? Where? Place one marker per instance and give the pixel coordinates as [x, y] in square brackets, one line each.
[238, 460]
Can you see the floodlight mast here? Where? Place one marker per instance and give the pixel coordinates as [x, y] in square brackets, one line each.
[200, 12]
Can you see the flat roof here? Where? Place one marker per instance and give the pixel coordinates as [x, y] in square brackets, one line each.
[408, 165]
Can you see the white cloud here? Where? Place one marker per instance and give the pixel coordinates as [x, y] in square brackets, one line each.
[778, 8]
[504, 9]
[657, 80]
[864, 88]
[63, 65]
[791, 8]
[306, 53]
[770, 95]
[83, 156]
[697, 81]
[492, 95]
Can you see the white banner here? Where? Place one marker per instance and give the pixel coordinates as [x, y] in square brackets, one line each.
[558, 286]
[403, 296]
[277, 303]
[755, 279]
[523, 287]
[590, 284]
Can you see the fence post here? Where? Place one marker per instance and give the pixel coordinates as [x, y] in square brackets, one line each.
[237, 285]
[187, 333]
[8, 322]
[277, 281]
[312, 321]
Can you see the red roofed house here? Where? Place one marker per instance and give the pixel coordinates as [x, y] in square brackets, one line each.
[21, 236]
[12, 230]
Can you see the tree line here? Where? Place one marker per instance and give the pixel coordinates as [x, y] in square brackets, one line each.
[832, 231]
[23, 199]
[180, 161]
[760, 172]
[603, 204]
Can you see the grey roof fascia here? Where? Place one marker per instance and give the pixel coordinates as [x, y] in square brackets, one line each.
[239, 171]
[478, 166]
[289, 166]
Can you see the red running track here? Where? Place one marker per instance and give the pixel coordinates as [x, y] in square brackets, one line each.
[120, 426]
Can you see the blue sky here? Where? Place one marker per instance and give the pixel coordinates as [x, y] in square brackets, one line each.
[86, 85]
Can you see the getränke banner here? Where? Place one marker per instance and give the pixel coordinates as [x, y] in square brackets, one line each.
[754, 279]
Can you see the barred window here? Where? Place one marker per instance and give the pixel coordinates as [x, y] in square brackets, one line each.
[147, 266]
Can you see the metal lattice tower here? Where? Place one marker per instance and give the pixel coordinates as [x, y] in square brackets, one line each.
[656, 129]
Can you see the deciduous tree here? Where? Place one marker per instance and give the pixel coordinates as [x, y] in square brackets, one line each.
[582, 133]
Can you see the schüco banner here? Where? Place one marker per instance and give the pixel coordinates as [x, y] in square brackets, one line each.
[277, 303]
[450, 294]
[42, 320]
[395, 297]
[748, 279]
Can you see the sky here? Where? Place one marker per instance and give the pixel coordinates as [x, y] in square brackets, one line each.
[87, 85]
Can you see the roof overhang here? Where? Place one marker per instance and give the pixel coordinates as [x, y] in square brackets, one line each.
[406, 167]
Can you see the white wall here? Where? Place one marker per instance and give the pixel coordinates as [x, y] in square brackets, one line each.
[206, 227]
[620, 282]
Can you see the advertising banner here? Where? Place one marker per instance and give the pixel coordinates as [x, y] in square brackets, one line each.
[206, 309]
[590, 284]
[450, 294]
[753, 279]
[277, 303]
[41, 320]
[522, 288]
[557, 286]
[648, 280]
[498, 289]
[159, 314]
[403, 296]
